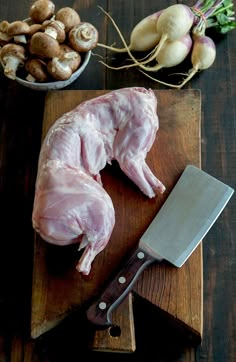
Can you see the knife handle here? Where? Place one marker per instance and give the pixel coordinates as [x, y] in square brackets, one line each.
[99, 312]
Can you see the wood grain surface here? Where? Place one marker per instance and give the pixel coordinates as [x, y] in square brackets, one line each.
[58, 288]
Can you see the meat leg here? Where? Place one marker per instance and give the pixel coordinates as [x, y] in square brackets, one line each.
[69, 206]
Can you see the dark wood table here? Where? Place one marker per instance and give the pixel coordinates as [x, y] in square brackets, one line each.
[20, 132]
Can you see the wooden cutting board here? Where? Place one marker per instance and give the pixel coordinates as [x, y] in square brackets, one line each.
[58, 289]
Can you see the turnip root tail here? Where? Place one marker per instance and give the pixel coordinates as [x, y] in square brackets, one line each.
[118, 50]
[163, 40]
[193, 71]
[160, 81]
[155, 68]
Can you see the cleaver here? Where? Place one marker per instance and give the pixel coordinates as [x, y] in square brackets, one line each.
[190, 210]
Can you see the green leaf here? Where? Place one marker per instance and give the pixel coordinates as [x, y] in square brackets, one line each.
[222, 19]
[226, 28]
[226, 3]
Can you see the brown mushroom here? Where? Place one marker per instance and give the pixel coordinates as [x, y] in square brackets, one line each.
[58, 69]
[55, 29]
[18, 29]
[43, 45]
[4, 37]
[41, 10]
[4, 26]
[70, 56]
[34, 28]
[62, 67]
[69, 17]
[83, 37]
[37, 70]
[12, 56]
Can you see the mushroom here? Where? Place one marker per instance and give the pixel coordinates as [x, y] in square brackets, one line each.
[59, 69]
[44, 45]
[83, 37]
[18, 29]
[34, 28]
[70, 56]
[4, 37]
[12, 56]
[69, 17]
[37, 70]
[56, 29]
[41, 10]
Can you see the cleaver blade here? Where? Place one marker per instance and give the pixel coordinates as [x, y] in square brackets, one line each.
[190, 210]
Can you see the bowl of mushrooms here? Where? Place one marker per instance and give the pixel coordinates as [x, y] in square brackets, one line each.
[49, 50]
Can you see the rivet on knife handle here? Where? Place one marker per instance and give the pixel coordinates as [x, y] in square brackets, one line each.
[99, 312]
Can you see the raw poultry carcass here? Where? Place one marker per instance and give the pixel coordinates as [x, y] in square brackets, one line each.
[70, 205]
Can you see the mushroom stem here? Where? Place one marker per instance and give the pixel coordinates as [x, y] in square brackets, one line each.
[20, 39]
[51, 32]
[59, 69]
[86, 34]
[11, 66]
[30, 78]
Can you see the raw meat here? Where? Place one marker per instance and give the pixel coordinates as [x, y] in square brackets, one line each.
[70, 205]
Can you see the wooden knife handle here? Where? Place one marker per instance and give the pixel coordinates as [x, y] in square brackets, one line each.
[99, 312]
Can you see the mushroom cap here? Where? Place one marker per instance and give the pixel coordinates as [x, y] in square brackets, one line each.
[72, 57]
[41, 10]
[18, 27]
[83, 37]
[37, 68]
[14, 50]
[34, 28]
[69, 17]
[4, 26]
[4, 37]
[44, 45]
[58, 69]
[58, 27]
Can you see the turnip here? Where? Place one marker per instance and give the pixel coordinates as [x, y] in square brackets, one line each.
[202, 57]
[173, 23]
[171, 54]
[144, 35]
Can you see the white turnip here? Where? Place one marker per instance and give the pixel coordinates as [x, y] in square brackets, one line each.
[143, 37]
[173, 23]
[202, 57]
[171, 54]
